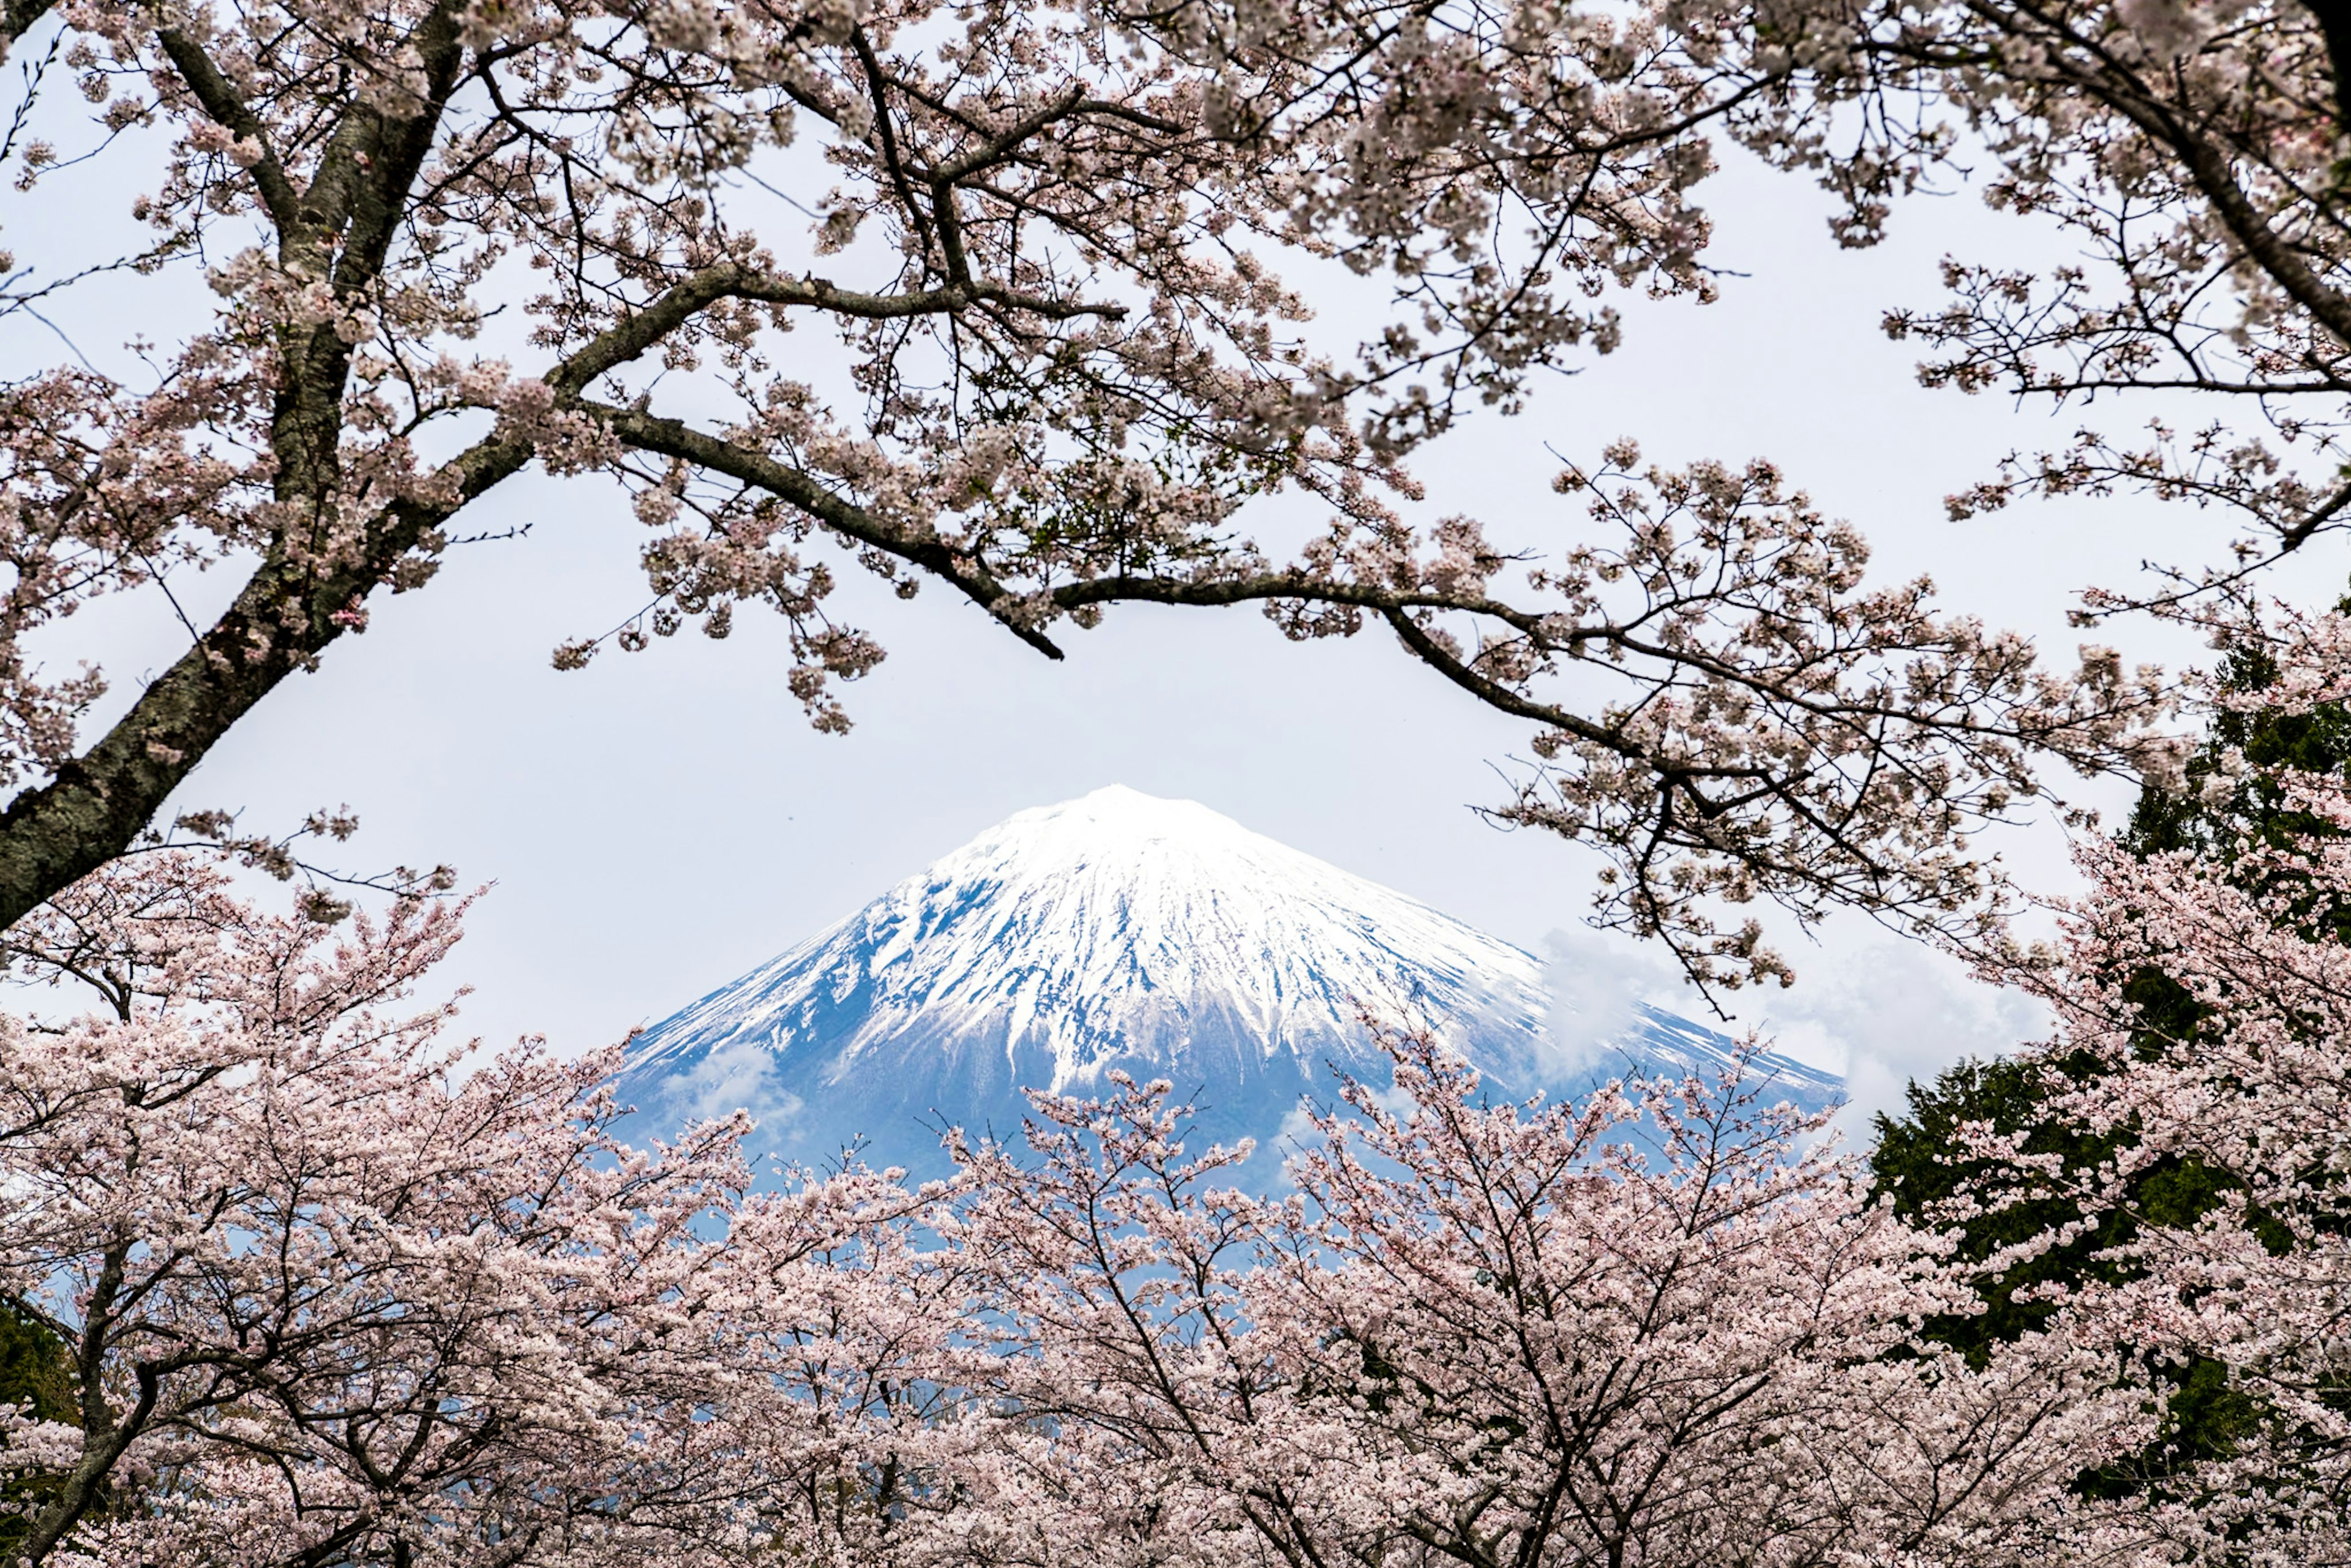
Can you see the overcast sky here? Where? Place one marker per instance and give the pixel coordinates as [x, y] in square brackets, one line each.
[658, 823]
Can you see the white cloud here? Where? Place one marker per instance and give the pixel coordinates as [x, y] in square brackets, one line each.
[1598, 983]
[1886, 1012]
[1881, 1012]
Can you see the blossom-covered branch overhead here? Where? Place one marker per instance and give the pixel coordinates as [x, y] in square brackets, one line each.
[1060, 256]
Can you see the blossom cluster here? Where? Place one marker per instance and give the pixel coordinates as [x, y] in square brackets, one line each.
[1060, 258]
[325, 1297]
[2203, 1046]
[2189, 151]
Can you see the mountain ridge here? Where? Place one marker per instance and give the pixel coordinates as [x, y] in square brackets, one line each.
[1114, 930]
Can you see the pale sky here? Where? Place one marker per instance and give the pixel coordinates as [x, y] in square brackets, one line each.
[658, 823]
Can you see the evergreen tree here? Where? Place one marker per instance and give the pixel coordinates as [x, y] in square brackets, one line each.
[36, 1378]
[2229, 800]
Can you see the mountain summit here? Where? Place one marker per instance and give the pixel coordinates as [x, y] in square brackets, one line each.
[1115, 930]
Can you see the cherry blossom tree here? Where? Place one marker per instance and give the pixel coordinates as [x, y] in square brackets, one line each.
[1642, 1328]
[325, 1301]
[322, 1298]
[2201, 1059]
[453, 240]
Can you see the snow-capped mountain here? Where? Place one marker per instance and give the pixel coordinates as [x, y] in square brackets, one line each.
[1117, 930]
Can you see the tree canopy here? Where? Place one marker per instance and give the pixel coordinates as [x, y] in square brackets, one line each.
[1059, 257]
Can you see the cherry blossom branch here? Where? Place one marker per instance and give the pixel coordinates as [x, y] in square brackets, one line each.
[673, 438]
[2189, 148]
[1071, 366]
[281, 620]
[221, 101]
[1876, 709]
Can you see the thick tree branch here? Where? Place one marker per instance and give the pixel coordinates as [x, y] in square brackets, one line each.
[220, 100]
[670, 438]
[282, 620]
[1493, 692]
[285, 615]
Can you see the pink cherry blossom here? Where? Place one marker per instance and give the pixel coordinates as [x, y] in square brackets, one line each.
[1642, 1327]
[1061, 259]
[334, 1294]
[333, 1297]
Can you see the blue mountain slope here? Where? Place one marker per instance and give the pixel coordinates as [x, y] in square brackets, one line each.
[1114, 931]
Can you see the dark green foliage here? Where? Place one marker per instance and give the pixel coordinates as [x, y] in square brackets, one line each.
[37, 1373]
[2206, 1417]
[2317, 741]
[1912, 1162]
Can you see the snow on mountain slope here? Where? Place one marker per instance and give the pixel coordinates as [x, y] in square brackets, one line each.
[1117, 930]
[1660, 1042]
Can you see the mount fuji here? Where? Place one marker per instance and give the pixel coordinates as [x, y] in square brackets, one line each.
[1118, 930]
